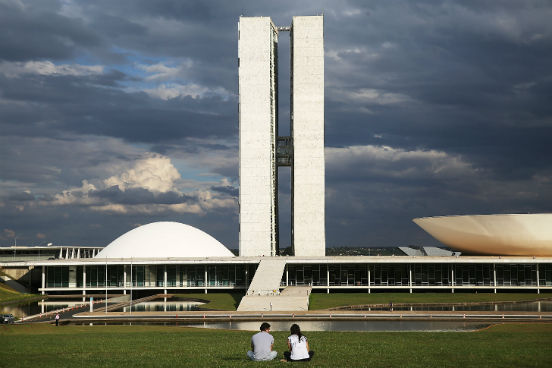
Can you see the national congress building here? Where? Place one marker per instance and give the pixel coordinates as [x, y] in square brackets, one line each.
[501, 252]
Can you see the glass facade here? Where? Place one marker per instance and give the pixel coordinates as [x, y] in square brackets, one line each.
[516, 275]
[423, 274]
[95, 276]
[389, 274]
[473, 274]
[57, 277]
[545, 274]
[315, 275]
[418, 275]
[218, 275]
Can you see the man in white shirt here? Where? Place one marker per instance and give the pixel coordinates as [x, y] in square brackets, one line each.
[261, 345]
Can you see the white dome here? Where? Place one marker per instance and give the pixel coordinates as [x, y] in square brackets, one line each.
[164, 240]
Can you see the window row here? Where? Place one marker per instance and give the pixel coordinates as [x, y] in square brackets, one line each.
[426, 274]
[150, 276]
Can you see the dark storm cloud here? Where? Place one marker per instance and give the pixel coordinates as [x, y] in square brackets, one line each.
[469, 81]
[233, 192]
[37, 31]
[88, 105]
[21, 197]
[133, 196]
[463, 67]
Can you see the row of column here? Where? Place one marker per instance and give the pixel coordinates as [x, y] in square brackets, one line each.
[131, 284]
[453, 283]
[72, 253]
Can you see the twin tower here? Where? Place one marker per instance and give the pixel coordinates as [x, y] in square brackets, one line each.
[263, 151]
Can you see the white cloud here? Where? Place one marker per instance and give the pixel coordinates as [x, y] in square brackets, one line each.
[15, 69]
[76, 195]
[389, 45]
[168, 82]
[169, 91]
[352, 12]
[388, 162]
[149, 209]
[375, 96]
[358, 52]
[155, 173]
[161, 71]
[71, 9]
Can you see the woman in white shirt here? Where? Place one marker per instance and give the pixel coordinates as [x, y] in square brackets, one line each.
[298, 346]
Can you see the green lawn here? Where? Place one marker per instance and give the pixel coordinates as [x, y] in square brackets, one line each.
[230, 301]
[511, 345]
[8, 295]
[324, 301]
[217, 301]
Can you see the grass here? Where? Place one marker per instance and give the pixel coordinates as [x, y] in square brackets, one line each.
[509, 345]
[230, 301]
[9, 296]
[217, 301]
[325, 301]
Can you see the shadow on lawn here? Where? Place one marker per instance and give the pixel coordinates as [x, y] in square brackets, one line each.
[237, 299]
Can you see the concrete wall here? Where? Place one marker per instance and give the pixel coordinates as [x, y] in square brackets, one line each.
[257, 129]
[308, 188]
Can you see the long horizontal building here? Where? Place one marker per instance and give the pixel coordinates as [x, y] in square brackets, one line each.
[324, 273]
[26, 253]
[172, 257]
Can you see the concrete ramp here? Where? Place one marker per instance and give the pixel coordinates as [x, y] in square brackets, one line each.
[264, 291]
[265, 284]
[14, 284]
[267, 277]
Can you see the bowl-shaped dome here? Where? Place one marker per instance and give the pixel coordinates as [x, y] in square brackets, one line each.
[164, 240]
[508, 235]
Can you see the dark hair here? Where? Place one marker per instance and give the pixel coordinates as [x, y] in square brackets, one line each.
[265, 326]
[296, 330]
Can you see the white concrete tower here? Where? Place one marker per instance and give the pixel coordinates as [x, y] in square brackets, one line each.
[262, 151]
[307, 130]
[258, 200]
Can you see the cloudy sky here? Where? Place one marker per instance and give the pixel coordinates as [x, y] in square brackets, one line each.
[120, 113]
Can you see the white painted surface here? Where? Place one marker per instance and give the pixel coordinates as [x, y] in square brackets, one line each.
[257, 129]
[512, 235]
[164, 240]
[267, 277]
[72, 276]
[292, 298]
[309, 238]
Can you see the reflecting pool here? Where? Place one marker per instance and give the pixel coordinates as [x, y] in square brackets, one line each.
[537, 306]
[162, 306]
[435, 326]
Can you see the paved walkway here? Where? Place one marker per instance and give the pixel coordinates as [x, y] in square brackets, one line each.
[318, 315]
[292, 298]
[14, 284]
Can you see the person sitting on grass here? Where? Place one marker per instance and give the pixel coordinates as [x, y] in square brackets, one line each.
[261, 345]
[298, 346]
